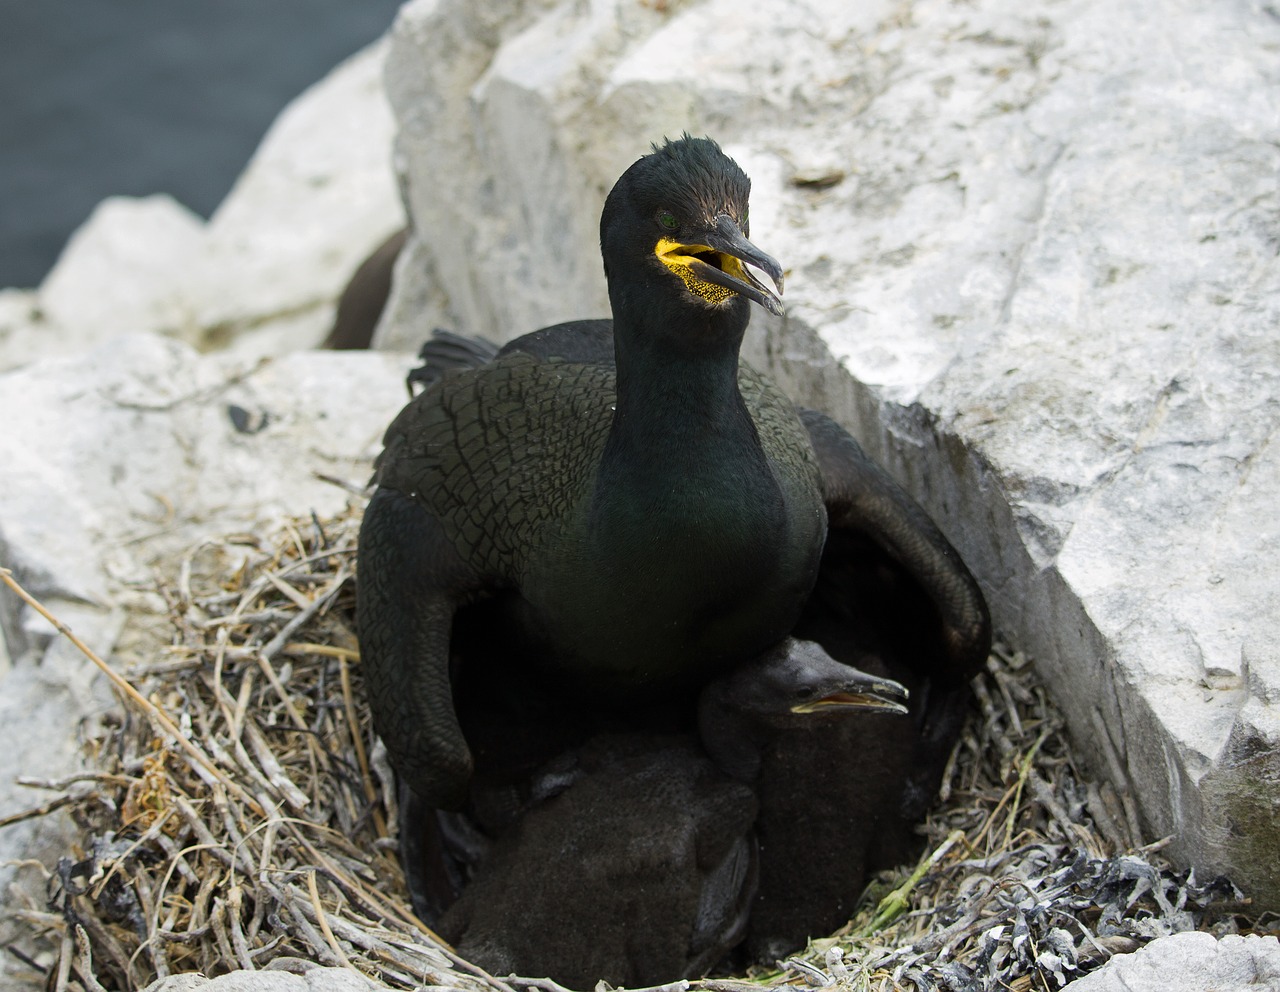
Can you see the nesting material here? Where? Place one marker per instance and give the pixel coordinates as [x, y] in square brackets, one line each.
[1033, 875]
[261, 838]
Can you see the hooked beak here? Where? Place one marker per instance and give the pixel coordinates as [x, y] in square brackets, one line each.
[717, 259]
[863, 692]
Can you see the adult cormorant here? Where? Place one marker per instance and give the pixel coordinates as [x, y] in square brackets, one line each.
[619, 527]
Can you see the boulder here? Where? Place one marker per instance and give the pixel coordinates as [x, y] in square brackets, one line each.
[1190, 962]
[19, 322]
[263, 275]
[1031, 263]
[124, 270]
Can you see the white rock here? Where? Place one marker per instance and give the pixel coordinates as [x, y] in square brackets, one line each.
[19, 335]
[128, 453]
[1190, 962]
[318, 196]
[123, 272]
[50, 699]
[312, 980]
[1040, 241]
[116, 462]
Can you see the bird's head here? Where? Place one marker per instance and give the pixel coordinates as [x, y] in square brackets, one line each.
[787, 688]
[678, 216]
[798, 677]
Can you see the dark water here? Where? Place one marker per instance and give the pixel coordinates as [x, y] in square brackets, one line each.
[147, 96]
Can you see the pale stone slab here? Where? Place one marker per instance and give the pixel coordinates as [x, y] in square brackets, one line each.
[1191, 962]
[19, 313]
[312, 980]
[122, 272]
[1031, 261]
[121, 455]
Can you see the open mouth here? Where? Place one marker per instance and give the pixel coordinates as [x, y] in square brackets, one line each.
[695, 265]
[676, 254]
[714, 268]
[883, 696]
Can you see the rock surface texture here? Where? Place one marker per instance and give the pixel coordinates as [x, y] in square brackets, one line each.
[1191, 962]
[1032, 260]
[315, 979]
[119, 462]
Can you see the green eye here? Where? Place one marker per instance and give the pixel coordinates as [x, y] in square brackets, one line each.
[668, 220]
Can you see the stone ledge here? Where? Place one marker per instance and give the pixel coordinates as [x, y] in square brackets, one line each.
[119, 462]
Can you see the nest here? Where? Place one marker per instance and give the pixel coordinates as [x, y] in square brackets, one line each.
[238, 817]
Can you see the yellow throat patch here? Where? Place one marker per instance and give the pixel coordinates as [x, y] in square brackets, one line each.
[676, 256]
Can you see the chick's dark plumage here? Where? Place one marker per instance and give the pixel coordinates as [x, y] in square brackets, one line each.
[636, 861]
[640, 871]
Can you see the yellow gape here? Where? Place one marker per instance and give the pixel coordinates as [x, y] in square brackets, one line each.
[677, 256]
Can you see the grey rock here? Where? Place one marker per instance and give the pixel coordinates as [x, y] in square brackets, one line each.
[117, 463]
[19, 313]
[118, 459]
[1190, 962]
[124, 270]
[316, 979]
[1032, 264]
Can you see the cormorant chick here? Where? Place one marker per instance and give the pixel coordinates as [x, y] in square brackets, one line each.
[830, 790]
[637, 864]
[640, 872]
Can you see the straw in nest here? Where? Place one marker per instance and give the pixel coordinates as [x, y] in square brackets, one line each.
[237, 817]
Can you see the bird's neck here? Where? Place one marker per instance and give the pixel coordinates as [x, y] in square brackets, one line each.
[684, 484]
[686, 520]
[686, 549]
[678, 404]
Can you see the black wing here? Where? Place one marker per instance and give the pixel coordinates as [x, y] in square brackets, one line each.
[880, 539]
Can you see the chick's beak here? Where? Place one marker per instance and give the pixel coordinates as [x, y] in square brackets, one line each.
[863, 692]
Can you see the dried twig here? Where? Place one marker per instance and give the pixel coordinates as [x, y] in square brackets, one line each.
[152, 711]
